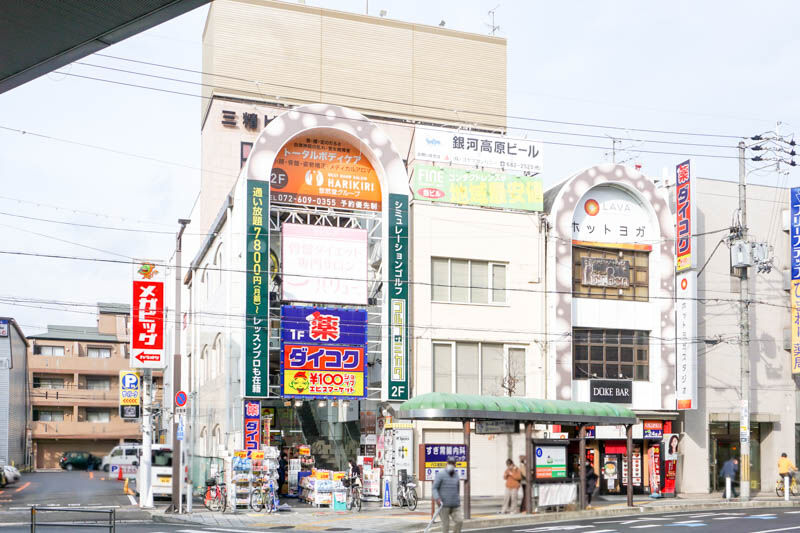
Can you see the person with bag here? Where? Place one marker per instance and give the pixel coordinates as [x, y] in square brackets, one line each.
[591, 484]
[512, 477]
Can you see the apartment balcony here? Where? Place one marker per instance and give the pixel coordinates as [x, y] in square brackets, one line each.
[77, 365]
[70, 396]
[115, 429]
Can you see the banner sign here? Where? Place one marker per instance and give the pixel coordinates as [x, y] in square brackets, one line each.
[147, 316]
[607, 216]
[398, 380]
[252, 424]
[482, 150]
[683, 195]
[670, 462]
[324, 172]
[305, 357]
[437, 455]
[550, 462]
[323, 325]
[130, 385]
[794, 219]
[653, 429]
[323, 384]
[477, 187]
[600, 272]
[611, 390]
[686, 339]
[256, 357]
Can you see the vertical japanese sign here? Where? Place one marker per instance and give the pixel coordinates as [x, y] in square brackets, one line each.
[252, 424]
[683, 195]
[686, 340]
[129, 394]
[794, 215]
[147, 316]
[397, 297]
[257, 291]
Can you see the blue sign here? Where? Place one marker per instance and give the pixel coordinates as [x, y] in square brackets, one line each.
[181, 431]
[795, 232]
[323, 325]
[387, 494]
[437, 455]
[180, 398]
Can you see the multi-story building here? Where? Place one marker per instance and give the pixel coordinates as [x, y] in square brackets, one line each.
[74, 387]
[14, 445]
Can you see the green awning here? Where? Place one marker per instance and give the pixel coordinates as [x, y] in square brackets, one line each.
[446, 406]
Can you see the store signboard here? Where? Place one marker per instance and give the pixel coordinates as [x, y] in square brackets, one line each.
[252, 424]
[477, 187]
[323, 171]
[636, 473]
[653, 429]
[437, 455]
[130, 385]
[312, 384]
[398, 384]
[404, 450]
[494, 427]
[3, 328]
[686, 339]
[147, 316]
[256, 354]
[607, 216]
[611, 390]
[684, 215]
[550, 462]
[324, 264]
[794, 223]
[600, 272]
[323, 325]
[461, 147]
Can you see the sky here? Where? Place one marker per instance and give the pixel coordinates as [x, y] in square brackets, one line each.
[126, 158]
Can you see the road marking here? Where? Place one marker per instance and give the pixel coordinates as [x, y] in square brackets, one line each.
[787, 512]
[23, 487]
[775, 530]
[132, 499]
[211, 529]
[686, 524]
[91, 475]
[646, 526]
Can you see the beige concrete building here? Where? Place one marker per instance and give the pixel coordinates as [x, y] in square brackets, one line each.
[74, 387]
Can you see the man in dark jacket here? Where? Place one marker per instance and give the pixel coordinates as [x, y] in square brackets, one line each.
[591, 484]
[730, 469]
[445, 494]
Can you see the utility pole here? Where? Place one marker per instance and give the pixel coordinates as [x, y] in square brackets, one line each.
[145, 461]
[177, 456]
[744, 340]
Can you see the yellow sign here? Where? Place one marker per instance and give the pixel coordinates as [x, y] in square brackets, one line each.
[316, 383]
[795, 326]
[130, 385]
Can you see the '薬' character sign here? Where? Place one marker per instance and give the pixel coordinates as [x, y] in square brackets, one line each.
[252, 424]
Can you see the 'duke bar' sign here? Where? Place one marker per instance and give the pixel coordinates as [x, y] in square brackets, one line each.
[611, 390]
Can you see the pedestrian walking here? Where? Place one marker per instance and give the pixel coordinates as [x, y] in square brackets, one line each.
[591, 484]
[445, 494]
[730, 470]
[523, 505]
[512, 477]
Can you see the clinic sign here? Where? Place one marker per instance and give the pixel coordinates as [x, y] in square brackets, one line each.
[437, 455]
[794, 220]
[256, 344]
[130, 384]
[513, 155]
[477, 187]
[683, 213]
[147, 316]
[398, 382]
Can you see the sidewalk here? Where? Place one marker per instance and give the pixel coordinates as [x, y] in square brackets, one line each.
[485, 513]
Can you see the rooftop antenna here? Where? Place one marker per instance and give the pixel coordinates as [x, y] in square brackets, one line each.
[493, 27]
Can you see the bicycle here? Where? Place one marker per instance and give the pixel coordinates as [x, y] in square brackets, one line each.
[407, 493]
[216, 497]
[264, 497]
[353, 494]
[794, 488]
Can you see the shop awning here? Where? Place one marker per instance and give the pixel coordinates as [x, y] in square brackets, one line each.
[446, 406]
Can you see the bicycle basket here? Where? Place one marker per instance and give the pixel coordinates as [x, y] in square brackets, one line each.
[210, 482]
[346, 482]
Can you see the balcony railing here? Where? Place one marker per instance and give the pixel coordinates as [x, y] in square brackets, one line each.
[115, 429]
[81, 365]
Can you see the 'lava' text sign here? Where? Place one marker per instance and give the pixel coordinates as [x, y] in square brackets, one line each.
[147, 316]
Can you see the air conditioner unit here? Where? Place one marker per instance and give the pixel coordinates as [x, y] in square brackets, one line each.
[741, 255]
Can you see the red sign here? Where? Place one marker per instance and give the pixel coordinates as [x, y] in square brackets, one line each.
[147, 317]
[683, 195]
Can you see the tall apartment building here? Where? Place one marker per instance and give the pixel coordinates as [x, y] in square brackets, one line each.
[13, 400]
[74, 387]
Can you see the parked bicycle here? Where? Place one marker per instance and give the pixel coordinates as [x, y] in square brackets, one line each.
[265, 497]
[780, 488]
[353, 493]
[216, 497]
[407, 491]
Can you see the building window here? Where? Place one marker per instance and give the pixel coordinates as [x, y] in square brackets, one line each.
[610, 353]
[57, 351]
[48, 416]
[610, 274]
[97, 383]
[219, 356]
[466, 367]
[47, 383]
[98, 415]
[218, 266]
[468, 281]
[99, 353]
[244, 153]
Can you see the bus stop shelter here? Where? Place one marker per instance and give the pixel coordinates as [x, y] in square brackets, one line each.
[467, 408]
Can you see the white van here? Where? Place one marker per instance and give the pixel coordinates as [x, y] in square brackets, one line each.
[124, 454]
[161, 475]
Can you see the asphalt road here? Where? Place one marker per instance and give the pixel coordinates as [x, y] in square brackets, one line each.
[132, 528]
[63, 489]
[769, 520]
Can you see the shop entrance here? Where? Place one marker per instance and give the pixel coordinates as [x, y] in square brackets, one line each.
[725, 445]
[613, 469]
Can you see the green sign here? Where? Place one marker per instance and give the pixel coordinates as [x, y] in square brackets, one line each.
[477, 187]
[257, 291]
[397, 298]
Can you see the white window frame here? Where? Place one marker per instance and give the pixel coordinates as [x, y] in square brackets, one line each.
[98, 379]
[489, 282]
[40, 412]
[99, 351]
[98, 412]
[454, 361]
[51, 349]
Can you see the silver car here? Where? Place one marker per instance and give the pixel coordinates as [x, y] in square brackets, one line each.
[12, 474]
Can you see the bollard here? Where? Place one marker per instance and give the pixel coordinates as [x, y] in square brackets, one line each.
[786, 487]
[728, 492]
[33, 519]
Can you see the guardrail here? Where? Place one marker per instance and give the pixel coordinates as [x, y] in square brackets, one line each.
[111, 525]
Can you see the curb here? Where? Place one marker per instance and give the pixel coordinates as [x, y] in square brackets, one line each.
[600, 513]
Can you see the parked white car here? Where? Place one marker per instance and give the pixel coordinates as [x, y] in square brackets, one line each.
[124, 454]
[12, 474]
